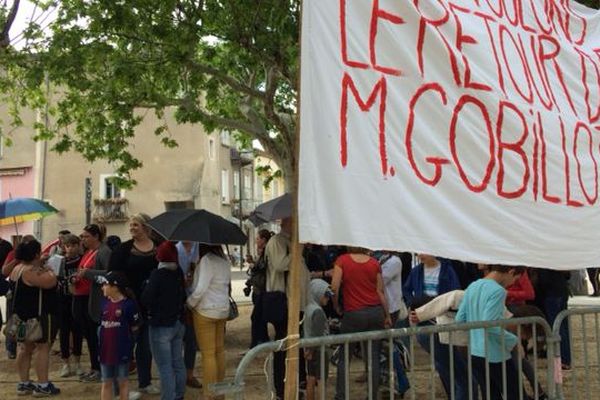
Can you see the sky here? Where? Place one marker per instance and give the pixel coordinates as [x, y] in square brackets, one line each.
[28, 12]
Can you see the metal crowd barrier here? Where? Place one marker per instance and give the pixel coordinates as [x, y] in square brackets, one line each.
[417, 373]
[582, 381]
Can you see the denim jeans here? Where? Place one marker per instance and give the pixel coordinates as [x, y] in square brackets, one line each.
[442, 366]
[166, 343]
[553, 306]
[190, 347]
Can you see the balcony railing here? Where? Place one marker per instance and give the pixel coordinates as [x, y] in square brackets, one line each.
[111, 210]
[247, 207]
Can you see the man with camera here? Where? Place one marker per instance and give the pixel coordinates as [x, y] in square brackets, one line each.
[256, 284]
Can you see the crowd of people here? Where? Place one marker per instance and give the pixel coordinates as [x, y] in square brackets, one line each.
[373, 290]
[132, 302]
[145, 299]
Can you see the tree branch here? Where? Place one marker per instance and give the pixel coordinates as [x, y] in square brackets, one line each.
[269, 107]
[228, 80]
[252, 129]
[10, 19]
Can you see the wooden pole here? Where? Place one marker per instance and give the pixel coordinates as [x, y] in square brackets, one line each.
[291, 371]
[294, 284]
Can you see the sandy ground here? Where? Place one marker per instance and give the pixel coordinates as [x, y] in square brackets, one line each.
[583, 382]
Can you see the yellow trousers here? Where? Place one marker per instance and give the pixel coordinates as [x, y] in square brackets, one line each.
[210, 335]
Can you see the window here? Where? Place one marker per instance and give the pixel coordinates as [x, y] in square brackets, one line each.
[108, 188]
[211, 148]
[111, 204]
[275, 184]
[258, 188]
[236, 185]
[225, 186]
[225, 138]
[176, 205]
[247, 188]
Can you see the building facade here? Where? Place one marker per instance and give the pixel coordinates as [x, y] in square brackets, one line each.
[204, 171]
[18, 171]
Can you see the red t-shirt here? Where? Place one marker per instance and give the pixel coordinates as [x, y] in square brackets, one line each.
[520, 291]
[10, 256]
[359, 282]
[83, 285]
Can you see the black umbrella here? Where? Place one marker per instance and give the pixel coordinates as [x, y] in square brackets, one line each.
[256, 219]
[278, 208]
[197, 226]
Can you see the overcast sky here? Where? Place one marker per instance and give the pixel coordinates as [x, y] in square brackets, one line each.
[28, 12]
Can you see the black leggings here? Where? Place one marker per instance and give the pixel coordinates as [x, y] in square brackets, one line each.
[67, 327]
[88, 327]
[496, 379]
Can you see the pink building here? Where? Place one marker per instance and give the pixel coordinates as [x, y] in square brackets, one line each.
[16, 182]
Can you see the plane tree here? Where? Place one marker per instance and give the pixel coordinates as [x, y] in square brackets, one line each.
[95, 67]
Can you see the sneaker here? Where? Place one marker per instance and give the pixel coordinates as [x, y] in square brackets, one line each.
[83, 374]
[45, 391]
[92, 376]
[150, 389]
[193, 383]
[133, 395]
[65, 371]
[78, 370]
[25, 388]
[11, 355]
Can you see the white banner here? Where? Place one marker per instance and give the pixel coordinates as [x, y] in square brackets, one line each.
[468, 129]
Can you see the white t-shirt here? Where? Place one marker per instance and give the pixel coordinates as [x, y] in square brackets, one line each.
[391, 272]
[431, 277]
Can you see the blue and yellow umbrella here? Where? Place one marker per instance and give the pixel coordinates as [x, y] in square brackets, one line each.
[23, 209]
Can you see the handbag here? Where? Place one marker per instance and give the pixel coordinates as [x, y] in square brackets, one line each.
[233, 310]
[29, 330]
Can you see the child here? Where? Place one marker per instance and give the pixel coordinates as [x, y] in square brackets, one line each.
[120, 319]
[68, 326]
[484, 301]
[315, 324]
[164, 298]
[432, 277]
